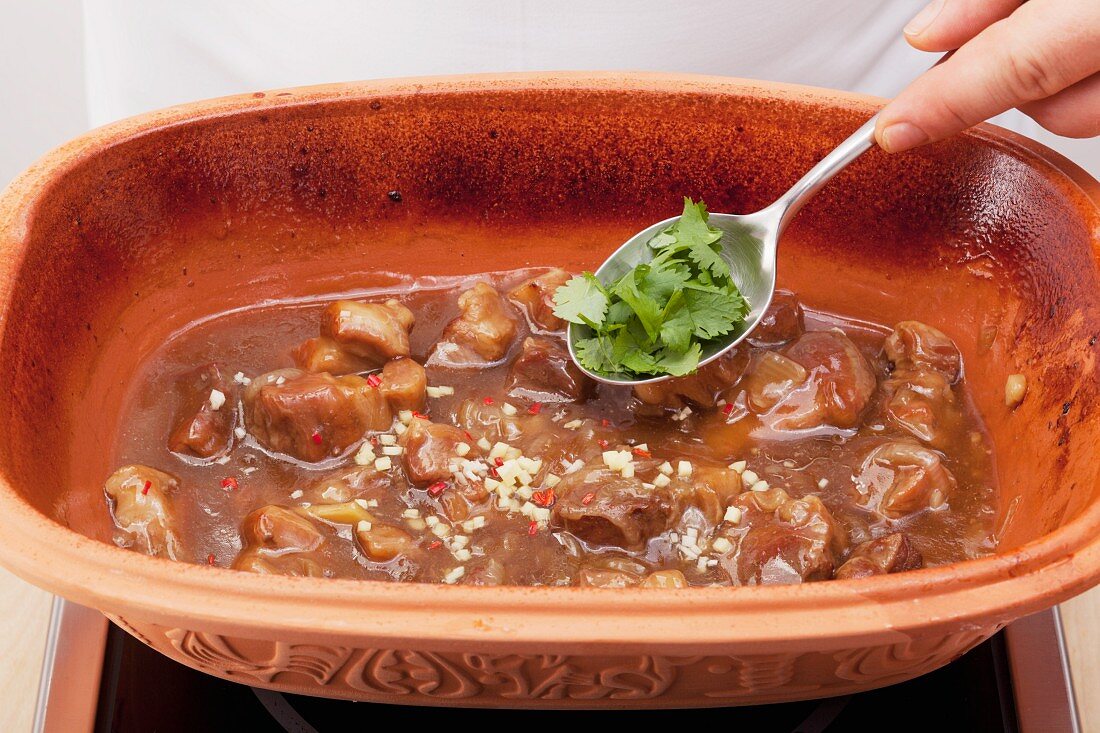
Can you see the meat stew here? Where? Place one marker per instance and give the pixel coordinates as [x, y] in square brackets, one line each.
[442, 434]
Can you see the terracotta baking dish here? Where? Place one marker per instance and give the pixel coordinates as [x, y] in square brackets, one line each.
[114, 241]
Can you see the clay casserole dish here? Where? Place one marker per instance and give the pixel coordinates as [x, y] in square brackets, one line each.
[116, 240]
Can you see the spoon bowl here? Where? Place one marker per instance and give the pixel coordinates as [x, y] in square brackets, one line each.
[749, 245]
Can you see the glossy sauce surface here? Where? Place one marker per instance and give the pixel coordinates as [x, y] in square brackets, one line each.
[212, 497]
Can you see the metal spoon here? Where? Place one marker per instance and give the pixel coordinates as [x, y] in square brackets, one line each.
[749, 244]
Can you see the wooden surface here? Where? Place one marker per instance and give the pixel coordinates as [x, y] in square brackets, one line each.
[25, 611]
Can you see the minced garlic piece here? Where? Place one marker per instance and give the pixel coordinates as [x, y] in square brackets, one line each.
[1015, 389]
[462, 449]
[508, 409]
[749, 477]
[721, 544]
[453, 576]
[665, 468]
[383, 464]
[661, 481]
[683, 469]
[217, 399]
[738, 466]
[733, 516]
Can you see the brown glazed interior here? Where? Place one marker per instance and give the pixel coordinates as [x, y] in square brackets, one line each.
[115, 241]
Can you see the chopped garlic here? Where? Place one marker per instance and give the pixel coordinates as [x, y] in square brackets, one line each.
[441, 530]
[628, 470]
[661, 481]
[574, 466]
[721, 544]
[364, 503]
[392, 450]
[823, 483]
[760, 486]
[462, 449]
[440, 391]
[241, 433]
[453, 576]
[365, 455]
[459, 541]
[573, 424]
[749, 477]
[738, 466]
[240, 378]
[551, 481]
[462, 555]
[417, 524]
[222, 461]
[665, 468]
[508, 409]
[217, 399]
[363, 526]
[280, 381]
[387, 439]
[399, 429]
[296, 494]
[383, 464]
[683, 469]
[1015, 389]
[484, 444]
[405, 416]
[733, 516]
[411, 513]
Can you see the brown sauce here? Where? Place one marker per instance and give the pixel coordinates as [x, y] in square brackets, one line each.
[824, 460]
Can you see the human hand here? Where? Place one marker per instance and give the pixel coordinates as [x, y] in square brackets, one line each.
[1042, 56]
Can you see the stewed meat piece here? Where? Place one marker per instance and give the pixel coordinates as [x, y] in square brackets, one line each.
[783, 321]
[536, 297]
[892, 553]
[769, 378]
[430, 450]
[922, 403]
[376, 332]
[384, 542]
[916, 345]
[543, 372]
[602, 508]
[613, 571]
[781, 540]
[665, 579]
[323, 354]
[899, 478]
[482, 333]
[204, 420]
[141, 499]
[277, 541]
[313, 416]
[404, 384]
[839, 384]
[704, 388]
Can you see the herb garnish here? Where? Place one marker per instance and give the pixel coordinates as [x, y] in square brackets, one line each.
[656, 318]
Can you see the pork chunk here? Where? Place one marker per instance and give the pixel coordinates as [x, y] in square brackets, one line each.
[481, 334]
[899, 478]
[783, 321]
[923, 404]
[313, 416]
[704, 388]
[404, 384]
[429, 451]
[892, 553]
[916, 345]
[208, 408]
[536, 297]
[837, 391]
[543, 372]
[602, 508]
[782, 540]
[141, 506]
[278, 541]
[326, 355]
[376, 332]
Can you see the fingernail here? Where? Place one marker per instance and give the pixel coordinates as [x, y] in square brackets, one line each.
[920, 22]
[902, 136]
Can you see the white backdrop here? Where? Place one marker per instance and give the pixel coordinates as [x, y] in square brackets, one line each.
[43, 74]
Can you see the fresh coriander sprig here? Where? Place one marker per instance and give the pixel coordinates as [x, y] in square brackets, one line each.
[656, 319]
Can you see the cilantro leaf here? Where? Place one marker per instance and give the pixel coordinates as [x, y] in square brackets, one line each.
[656, 318]
[582, 299]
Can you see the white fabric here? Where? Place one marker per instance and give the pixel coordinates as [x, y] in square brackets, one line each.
[144, 54]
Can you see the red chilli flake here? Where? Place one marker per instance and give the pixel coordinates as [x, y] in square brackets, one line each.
[605, 422]
[374, 440]
[435, 544]
[468, 436]
[210, 559]
[603, 443]
[533, 528]
[437, 488]
[498, 461]
[488, 400]
[230, 482]
[642, 453]
[418, 414]
[316, 437]
[374, 380]
[145, 489]
[494, 472]
[544, 498]
[535, 408]
[588, 498]
[728, 408]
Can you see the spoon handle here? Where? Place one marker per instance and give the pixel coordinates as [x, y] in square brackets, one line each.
[801, 192]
